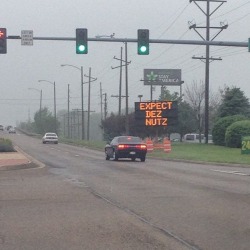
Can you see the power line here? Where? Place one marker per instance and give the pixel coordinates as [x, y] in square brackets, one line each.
[236, 8]
[171, 24]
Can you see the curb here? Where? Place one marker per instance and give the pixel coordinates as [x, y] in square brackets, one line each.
[31, 164]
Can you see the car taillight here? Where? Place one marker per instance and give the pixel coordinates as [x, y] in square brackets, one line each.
[122, 146]
[141, 146]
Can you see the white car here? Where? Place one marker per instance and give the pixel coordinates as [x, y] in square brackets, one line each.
[50, 138]
[12, 131]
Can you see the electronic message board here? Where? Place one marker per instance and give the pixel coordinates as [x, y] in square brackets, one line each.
[156, 113]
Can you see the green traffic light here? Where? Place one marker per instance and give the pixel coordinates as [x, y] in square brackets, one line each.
[143, 49]
[81, 48]
[143, 42]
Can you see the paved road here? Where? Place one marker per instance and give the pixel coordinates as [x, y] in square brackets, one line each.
[130, 205]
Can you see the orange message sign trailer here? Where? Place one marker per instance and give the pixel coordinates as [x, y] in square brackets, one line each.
[156, 113]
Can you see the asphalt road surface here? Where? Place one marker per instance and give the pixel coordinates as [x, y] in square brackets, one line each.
[81, 201]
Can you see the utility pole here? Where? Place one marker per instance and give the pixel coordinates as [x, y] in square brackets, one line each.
[81, 70]
[91, 79]
[64, 125]
[120, 83]
[126, 80]
[208, 13]
[105, 106]
[101, 100]
[68, 111]
[78, 122]
[119, 97]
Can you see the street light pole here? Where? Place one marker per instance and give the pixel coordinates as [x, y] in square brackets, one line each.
[81, 69]
[83, 135]
[54, 84]
[55, 106]
[41, 97]
[91, 79]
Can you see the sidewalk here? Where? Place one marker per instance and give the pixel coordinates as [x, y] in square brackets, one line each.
[14, 160]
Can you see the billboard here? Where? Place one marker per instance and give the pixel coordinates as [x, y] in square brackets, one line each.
[168, 77]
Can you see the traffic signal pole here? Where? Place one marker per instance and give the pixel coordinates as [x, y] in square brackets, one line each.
[133, 40]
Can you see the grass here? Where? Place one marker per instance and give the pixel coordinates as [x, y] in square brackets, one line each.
[204, 153]
[185, 151]
[91, 144]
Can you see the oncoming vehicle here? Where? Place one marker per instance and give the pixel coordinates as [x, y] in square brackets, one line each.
[50, 138]
[131, 147]
[12, 130]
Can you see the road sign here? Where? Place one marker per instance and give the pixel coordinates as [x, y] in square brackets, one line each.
[170, 77]
[27, 37]
[245, 145]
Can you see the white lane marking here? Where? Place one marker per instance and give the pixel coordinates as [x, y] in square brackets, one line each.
[77, 155]
[229, 172]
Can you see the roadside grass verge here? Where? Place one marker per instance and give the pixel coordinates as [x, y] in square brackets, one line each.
[99, 145]
[203, 153]
[183, 151]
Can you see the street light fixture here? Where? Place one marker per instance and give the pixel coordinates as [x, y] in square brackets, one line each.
[81, 70]
[54, 84]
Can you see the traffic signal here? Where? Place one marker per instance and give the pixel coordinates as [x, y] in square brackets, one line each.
[143, 42]
[81, 41]
[3, 41]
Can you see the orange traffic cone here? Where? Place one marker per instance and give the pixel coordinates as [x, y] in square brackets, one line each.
[167, 145]
[150, 146]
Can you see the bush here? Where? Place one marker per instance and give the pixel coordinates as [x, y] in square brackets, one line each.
[6, 145]
[220, 127]
[235, 132]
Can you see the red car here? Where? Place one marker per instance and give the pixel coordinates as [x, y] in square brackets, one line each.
[126, 147]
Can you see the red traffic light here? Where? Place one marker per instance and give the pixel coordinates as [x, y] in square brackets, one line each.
[3, 41]
[2, 33]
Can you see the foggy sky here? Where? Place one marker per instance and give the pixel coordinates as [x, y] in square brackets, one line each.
[23, 66]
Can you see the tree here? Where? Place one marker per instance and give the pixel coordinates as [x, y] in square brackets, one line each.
[186, 119]
[235, 132]
[195, 97]
[114, 125]
[44, 121]
[234, 102]
[167, 96]
[220, 127]
[214, 103]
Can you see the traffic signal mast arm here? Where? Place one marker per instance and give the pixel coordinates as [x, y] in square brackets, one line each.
[132, 40]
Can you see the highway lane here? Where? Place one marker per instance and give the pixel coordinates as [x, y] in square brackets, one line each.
[200, 206]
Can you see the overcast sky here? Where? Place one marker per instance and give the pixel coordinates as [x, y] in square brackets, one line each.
[23, 66]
